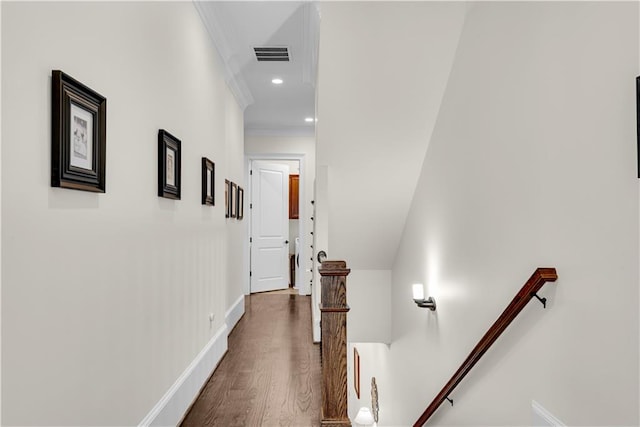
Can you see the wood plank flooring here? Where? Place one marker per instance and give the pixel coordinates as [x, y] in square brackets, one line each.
[271, 373]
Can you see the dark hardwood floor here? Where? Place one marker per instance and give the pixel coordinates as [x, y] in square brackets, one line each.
[271, 373]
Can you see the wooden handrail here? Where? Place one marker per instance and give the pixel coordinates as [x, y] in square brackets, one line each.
[533, 285]
[333, 326]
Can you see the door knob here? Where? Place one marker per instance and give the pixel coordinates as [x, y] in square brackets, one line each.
[286, 242]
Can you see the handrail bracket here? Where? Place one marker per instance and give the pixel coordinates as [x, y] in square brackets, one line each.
[542, 300]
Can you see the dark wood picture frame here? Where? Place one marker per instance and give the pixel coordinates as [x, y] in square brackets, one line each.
[208, 182]
[233, 197]
[169, 165]
[240, 203]
[227, 205]
[356, 371]
[78, 135]
[638, 120]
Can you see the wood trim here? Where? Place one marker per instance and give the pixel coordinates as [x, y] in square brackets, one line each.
[522, 298]
[334, 268]
[294, 196]
[334, 310]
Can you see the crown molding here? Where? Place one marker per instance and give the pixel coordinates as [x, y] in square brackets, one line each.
[213, 17]
[281, 131]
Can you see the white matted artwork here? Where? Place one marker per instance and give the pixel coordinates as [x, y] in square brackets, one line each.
[169, 160]
[81, 150]
[171, 168]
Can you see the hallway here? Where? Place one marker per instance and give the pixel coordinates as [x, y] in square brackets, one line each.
[270, 375]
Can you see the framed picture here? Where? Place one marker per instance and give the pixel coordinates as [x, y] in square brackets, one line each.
[227, 205]
[79, 135]
[208, 180]
[356, 371]
[240, 203]
[638, 119]
[169, 156]
[233, 197]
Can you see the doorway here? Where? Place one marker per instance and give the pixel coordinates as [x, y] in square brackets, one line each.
[275, 269]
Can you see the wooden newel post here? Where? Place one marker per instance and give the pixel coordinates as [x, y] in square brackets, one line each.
[334, 308]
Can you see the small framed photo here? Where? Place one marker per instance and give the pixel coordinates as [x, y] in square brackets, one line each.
[240, 203]
[638, 119]
[79, 135]
[356, 371]
[208, 180]
[169, 156]
[227, 206]
[233, 200]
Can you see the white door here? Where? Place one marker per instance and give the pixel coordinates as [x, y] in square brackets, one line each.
[269, 226]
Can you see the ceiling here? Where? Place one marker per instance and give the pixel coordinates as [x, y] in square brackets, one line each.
[236, 27]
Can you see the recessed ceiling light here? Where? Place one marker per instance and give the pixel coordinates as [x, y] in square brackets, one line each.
[277, 81]
[309, 120]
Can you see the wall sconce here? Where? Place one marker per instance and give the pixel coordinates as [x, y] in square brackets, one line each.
[364, 417]
[418, 297]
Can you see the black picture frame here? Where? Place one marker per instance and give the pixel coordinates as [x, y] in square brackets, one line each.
[169, 165]
[227, 205]
[638, 121]
[233, 197]
[240, 203]
[78, 135]
[208, 182]
[356, 371]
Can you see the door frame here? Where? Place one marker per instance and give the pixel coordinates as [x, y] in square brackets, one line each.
[304, 287]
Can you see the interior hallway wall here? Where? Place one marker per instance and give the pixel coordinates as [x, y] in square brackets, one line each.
[106, 297]
[236, 229]
[532, 164]
[375, 116]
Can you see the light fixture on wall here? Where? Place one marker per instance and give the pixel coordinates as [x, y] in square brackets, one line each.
[418, 297]
[364, 417]
[277, 81]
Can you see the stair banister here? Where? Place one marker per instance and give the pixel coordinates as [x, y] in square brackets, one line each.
[522, 298]
[333, 325]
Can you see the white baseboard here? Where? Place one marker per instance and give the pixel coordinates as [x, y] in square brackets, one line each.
[170, 410]
[234, 314]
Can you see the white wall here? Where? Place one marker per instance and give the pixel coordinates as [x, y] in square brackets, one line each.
[106, 297]
[377, 103]
[374, 360]
[532, 163]
[236, 229]
[369, 297]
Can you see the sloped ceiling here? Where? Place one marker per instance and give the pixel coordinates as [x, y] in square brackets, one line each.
[383, 70]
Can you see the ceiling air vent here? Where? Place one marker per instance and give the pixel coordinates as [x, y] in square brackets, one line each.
[272, 53]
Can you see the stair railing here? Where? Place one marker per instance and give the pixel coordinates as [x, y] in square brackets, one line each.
[522, 298]
[333, 325]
